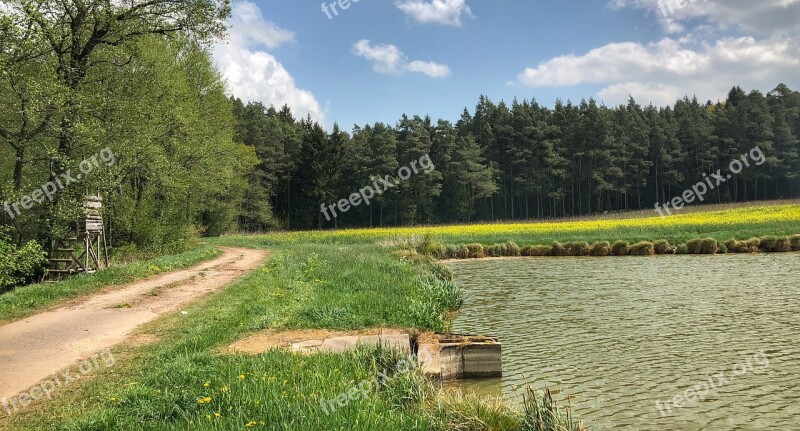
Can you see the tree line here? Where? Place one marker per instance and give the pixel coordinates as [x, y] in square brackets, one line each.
[502, 162]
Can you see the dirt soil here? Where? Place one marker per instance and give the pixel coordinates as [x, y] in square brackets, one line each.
[270, 339]
[38, 346]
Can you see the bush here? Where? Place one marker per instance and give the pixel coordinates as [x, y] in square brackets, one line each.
[21, 265]
[456, 252]
[507, 249]
[703, 246]
[620, 248]
[664, 247]
[430, 247]
[475, 251]
[536, 250]
[682, 249]
[776, 245]
[723, 249]
[795, 241]
[643, 248]
[558, 250]
[578, 249]
[601, 249]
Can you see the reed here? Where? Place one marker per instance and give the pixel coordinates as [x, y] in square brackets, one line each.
[643, 248]
[620, 248]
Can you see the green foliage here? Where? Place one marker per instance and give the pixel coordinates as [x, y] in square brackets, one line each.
[602, 248]
[776, 244]
[19, 265]
[506, 249]
[795, 241]
[643, 248]
[476, 251]
[664, 247]
[703, 246]
[542, 413]
[578, 249]
[536, 251]
[620, 248]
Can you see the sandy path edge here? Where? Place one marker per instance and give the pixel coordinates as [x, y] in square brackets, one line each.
[38, 346]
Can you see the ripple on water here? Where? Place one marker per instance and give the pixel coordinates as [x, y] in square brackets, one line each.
[618, 334]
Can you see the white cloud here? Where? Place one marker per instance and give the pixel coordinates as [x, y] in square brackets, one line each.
[664, 71]
[447, 12]
[253, 74]
[765, 17]
[390, 59]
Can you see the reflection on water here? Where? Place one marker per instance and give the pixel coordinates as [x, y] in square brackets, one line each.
[618, 334]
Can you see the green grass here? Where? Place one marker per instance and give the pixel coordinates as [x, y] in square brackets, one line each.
[27, 300]
[157, 387]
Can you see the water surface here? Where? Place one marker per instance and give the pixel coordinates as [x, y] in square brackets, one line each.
[618, 334]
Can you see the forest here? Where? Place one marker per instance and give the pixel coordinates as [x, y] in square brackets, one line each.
[522, 161]
[139, 82]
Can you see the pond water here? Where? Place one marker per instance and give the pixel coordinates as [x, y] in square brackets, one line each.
[618, 335]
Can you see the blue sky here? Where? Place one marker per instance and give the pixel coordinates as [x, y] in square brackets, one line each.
[382, 58]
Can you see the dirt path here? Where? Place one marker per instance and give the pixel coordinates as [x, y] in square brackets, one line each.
[40, 345]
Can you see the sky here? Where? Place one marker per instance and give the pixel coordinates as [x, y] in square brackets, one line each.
[360, 62]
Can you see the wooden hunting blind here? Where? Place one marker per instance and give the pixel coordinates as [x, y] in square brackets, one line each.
[87, 251]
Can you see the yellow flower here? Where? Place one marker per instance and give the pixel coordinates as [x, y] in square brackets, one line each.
[241, 376]
[217, 415]
[204, 400]
[208, 417]
[225, 389]
[206, 384]
[250, 424]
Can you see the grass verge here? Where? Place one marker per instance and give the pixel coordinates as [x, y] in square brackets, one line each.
[28, 300]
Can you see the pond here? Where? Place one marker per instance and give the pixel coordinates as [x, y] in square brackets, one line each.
[664, 342]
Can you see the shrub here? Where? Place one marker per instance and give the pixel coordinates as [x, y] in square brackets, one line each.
[643, 248]
[578, 249]
[536, 250]
[601, 249]
[702, 246]
[795, 241]
[776, 245]
[456, 252]
[475, 251]
[512, 249]
[664, 247]
[753, 245]
[620, 248]
[723, 249]
[21, 265]
[430, 247]
[682, 249]
[558, 250]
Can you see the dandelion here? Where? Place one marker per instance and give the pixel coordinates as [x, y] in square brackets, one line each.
[206, 384]
[217, 415]
[204, 400]
[250, 424]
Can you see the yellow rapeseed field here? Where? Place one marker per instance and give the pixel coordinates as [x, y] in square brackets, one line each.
[742, 219]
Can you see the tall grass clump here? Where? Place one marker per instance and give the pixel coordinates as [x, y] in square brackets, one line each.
[578, 249]
[475, 251]
[444, 292]
[536, 250]
[602, 248]
[703, 246]
[795, 241]
[620, 248]
[752, 245]
[664, 247]
[430, 247]
[776, 244]
[542, 413]
[558, 250]
[456, 252]
[506, 249]
[643, 248]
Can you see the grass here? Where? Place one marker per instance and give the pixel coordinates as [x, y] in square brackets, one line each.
[27, 300]
[181, 382]
[349, 279]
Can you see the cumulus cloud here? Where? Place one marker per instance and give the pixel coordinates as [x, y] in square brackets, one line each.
[765, 17]
[254, 74]
[663, 71]
[447, 12]
[391, 60]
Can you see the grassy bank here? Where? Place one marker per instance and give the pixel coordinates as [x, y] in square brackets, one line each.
[332, 280]
[182, 382]
[27, 300]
